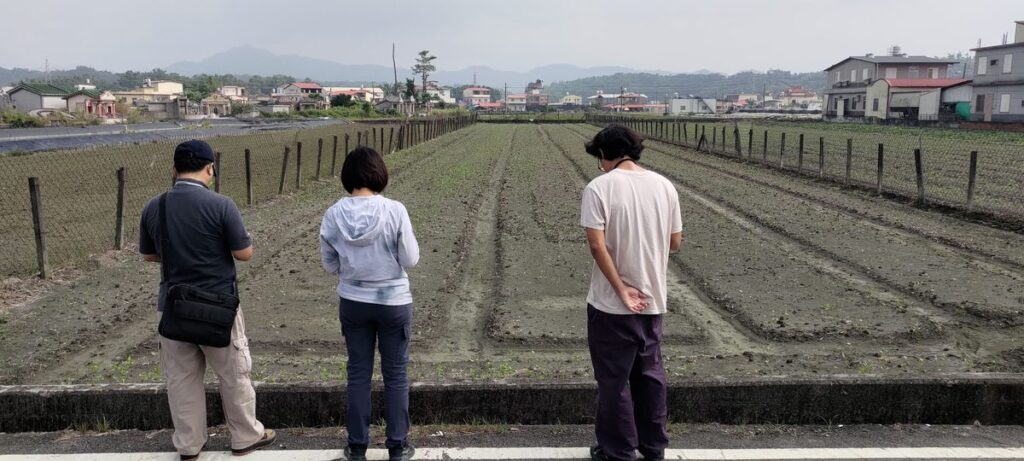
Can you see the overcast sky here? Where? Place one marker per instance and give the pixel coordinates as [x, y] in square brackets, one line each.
[673, 35]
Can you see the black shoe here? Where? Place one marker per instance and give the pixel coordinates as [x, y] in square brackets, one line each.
[402, 453]
[355, 452]
[660, 456]
[597, 454]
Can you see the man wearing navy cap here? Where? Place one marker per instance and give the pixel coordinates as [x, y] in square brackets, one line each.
[207, 235]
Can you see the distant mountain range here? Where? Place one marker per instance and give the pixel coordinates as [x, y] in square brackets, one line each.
[249, 60]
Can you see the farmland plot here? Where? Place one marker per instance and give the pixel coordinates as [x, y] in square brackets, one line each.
[777, 275]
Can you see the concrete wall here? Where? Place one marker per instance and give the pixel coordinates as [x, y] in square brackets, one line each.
[928, 107]
[24, 101]
[954, 399]
[995, 73]
[1016, 105]
[878, 91]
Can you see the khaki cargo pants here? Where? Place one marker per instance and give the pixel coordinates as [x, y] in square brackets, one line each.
[184, 365]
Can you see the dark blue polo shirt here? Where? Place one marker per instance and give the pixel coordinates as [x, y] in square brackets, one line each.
[205, 227]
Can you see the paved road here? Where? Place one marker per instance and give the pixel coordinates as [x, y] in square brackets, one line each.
[41, 139]
[706, 442]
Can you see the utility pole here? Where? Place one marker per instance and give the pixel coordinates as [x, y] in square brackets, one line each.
[504, 96]
[394, 66]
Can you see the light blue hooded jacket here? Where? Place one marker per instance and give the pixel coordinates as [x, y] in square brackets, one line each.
[368, 242]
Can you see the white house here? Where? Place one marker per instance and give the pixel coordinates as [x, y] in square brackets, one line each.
[693, 106]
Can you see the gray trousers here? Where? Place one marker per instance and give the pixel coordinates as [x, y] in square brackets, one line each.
[389, 328]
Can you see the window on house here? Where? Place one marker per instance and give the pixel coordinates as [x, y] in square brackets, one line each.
[979, 103]
[912, 72]
[1007, 63]
[837, 77]
[866, 74]
[1004, 103]
[933, 72]
[890, 72]
[993, 62]
[982, 66]
[853, 75]
[874, 105]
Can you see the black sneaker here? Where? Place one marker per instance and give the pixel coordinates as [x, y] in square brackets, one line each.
[659, 456]
[597, 454]
[355, 452]
[402, 453]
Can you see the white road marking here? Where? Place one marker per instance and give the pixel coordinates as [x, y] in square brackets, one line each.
[546, 453]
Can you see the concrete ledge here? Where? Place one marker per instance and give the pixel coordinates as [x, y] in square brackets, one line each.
[990, 399]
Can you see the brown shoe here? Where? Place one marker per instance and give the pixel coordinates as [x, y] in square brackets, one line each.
[268, 438]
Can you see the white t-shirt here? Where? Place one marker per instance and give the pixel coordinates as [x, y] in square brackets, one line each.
[639, 211]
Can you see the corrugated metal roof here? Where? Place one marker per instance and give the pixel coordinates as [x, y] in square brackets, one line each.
[895, 60]
[925, 82]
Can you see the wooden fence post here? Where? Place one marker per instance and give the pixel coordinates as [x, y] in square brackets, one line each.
[216, 170]
[919, 175]
[284, 169]
[391, 139]
[298, 165]
[319, 155]
[800, 154]
[849, 159]
[334, 155]
[359, 138]
[714, 138]
[36, 198]
[374, 145]
[821, 156]
[972, 175]
[686, 134]
[736, 139]
[248, 177]
[881, 167]
[346, 144]
[764, 148]
[750, 144]
[119, 220]
[782, 151]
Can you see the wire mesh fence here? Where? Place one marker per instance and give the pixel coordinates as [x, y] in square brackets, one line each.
[970, 173]
[79, 189]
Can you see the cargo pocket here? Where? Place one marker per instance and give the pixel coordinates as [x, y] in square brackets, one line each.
[243, 357]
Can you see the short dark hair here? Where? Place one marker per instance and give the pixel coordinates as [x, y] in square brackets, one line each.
[615, 141]
[190, 165]
[364, 167]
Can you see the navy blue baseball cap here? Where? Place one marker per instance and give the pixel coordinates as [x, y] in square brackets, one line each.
[194, 149]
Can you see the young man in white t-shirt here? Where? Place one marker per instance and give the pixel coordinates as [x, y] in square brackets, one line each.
[632, 219]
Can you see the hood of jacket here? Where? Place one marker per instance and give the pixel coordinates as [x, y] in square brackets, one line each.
[360, 220]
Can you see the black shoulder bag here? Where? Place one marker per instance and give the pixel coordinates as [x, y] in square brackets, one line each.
[191, 314]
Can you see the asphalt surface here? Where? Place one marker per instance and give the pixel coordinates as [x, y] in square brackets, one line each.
[712, 436]
[43, 139]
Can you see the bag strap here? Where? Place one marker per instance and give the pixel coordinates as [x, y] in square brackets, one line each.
[165, 241]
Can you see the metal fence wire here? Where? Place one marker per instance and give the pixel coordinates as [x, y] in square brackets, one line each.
[79, 188]
[974, 175]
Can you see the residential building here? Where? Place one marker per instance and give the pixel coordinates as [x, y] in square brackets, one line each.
[490, 106]
[475, 95]
[92, 103]
[30, 97]
[998, 93]
[515, 102]
[692, 105]
[797, 97]
[441, 94]
[358, 93]
[234, 93]
[5, 101]
[916, 99]
[572, 100]
[847, 81]
[152, 90]
[626, 101]
[536, 99]
[301, 96]
[176, 108]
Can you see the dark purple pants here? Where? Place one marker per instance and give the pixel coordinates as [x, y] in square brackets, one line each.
[631, 409]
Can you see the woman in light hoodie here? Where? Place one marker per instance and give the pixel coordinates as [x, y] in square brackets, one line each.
[367, 240]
